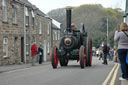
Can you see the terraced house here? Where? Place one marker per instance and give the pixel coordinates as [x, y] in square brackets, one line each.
[22, 23]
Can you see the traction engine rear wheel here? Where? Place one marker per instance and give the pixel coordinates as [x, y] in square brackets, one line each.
[90, 52]
[82, 56]
[54, 58]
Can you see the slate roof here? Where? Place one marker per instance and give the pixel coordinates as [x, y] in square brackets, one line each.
[55, 24]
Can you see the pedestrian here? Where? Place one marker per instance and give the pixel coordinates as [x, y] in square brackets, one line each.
[122, 39]
[111, 55]
[112, 52]
[34, 53]
[97, 53]
[101, 55]
[40, 53]
[115, 56]
[105, 51]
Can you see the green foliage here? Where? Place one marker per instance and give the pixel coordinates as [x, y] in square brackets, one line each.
[95, 19]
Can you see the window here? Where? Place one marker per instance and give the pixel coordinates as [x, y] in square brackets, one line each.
[127, 19]
[33, 39]
[33, 16]
[40, 27]
[124, 19]
[26, 16]
[27, 45]
[4, 11]
[48, 47]
[58, 34]
[5, 47]
[55, 35]
[49, 25]
[14, 19]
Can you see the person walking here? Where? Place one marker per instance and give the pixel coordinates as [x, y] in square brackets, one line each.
[34, 53]
[101, 55]
[40, 53]
[122, 39]
[105, 51]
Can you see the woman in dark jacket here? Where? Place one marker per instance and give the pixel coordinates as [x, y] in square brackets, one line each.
[40, 53]
[122, 39]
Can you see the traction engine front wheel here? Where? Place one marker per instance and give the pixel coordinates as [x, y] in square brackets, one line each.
[54, 57]
[82, 56]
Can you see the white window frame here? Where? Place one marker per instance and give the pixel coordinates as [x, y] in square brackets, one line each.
[55, 35]
[33, 18]
[49, 25]
[26, 16]
[5, 47]
[4, 11]
[40, 27]
[58, 34]
[27, 45]
[33, 15]
[14, 16]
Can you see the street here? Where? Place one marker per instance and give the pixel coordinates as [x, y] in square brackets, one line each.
[71, 75]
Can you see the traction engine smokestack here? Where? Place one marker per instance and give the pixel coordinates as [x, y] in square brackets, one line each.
[68, 18]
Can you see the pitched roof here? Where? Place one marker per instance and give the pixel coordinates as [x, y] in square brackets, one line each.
[39, 12]
[56, 24]
[26, 2]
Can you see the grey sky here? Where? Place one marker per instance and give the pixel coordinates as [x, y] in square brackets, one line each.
[47, 5]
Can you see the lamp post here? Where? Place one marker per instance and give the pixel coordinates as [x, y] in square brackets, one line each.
[126, 13]
[107, 31]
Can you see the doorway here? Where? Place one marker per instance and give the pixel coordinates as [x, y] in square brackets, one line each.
[22, 49]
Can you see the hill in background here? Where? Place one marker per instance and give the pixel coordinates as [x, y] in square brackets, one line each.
[95, 19]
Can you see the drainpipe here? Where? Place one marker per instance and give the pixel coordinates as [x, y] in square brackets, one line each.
[51, 35]
[24, 37]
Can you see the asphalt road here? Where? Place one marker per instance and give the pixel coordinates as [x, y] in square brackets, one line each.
[71, 75]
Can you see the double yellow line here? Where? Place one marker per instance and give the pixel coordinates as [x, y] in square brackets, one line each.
[115, 70]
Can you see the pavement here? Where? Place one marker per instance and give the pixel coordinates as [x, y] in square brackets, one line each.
[124, 82]
[7, 68]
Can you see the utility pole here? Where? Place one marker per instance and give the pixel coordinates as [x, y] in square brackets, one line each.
[126, 12]
[107, 31]
[24, 36]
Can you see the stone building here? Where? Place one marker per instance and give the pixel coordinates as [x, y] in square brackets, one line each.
[56, 33]
[22, 23]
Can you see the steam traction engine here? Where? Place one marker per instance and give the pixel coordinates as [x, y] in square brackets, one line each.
[74, 45]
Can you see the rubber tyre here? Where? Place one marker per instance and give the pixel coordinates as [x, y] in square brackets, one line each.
[85, 43]
[54, 58]
[82, 57]
[90, 52]
[63, 62]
